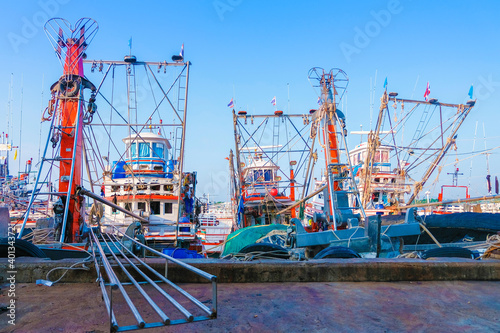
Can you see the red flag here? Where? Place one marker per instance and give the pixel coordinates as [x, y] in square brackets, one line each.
[427, 91]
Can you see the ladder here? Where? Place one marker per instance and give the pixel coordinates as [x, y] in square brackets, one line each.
[90, 161]
[181, 101]
[276, 137]
[51, 160]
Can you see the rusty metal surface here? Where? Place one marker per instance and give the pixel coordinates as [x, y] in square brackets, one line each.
[448, 306]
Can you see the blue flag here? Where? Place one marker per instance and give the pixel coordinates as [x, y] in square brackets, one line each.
[471, 90]
[385, 83]
[130, 43]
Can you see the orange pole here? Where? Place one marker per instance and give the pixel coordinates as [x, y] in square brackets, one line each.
[70, 115]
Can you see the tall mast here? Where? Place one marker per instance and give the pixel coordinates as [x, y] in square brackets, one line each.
[66, 134]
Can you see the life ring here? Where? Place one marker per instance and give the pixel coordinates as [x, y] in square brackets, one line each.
[69, 87]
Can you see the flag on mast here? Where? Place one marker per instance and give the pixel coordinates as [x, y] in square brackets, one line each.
[385, 83]
[182, 51]
[273, 101]
[231, 104]
[427, 91]
[471, 91]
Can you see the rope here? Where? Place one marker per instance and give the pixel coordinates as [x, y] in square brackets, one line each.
[256, 255]
[430, 234]
[494, 244]
[71, 268]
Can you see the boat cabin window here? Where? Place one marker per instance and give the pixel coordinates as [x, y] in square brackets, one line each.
[154, 207]
[268, 175]
[133, 149]
[168, 208]
[144, 149]
[158, 150]
[385, 157]
[155, 187]
[141, 206]
[354, 159]
[265, 175]
[168, 188]
[128, 206]
[115, 188]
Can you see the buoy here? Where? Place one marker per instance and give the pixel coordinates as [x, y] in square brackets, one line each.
[273, 192]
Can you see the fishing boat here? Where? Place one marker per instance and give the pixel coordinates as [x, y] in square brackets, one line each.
[338, 225]
[410, 140]
[270, 151]
[145, 180]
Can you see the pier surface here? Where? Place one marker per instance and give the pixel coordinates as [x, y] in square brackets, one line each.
[330, 295]
[451, 306]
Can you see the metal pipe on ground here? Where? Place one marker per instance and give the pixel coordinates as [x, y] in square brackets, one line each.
[186, 313]
[178, 262]
[112, 319]
[162, 314]
[180, 290]
[137, 315]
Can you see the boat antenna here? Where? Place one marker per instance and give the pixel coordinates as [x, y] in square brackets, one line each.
[41, 108]
[288, 86]
[20, 124]
[372, 95]
[473, 149]
[487, 162]
[9, 113]
[415, 87]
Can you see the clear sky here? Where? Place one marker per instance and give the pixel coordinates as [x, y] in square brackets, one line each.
[253, 49]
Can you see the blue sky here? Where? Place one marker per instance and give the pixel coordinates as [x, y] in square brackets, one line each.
[256, 48]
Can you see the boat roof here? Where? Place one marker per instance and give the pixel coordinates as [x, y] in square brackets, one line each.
[364, 146]
[148, 137]
[259, 163]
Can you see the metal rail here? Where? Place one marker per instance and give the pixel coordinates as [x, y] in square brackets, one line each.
[109, 246]
[443, 203]
[82, 191]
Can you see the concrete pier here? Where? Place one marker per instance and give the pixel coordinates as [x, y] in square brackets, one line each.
[264, 271]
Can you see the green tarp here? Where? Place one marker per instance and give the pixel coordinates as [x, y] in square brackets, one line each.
[249, 235]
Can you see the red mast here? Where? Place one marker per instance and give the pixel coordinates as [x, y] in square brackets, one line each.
[70, 45]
